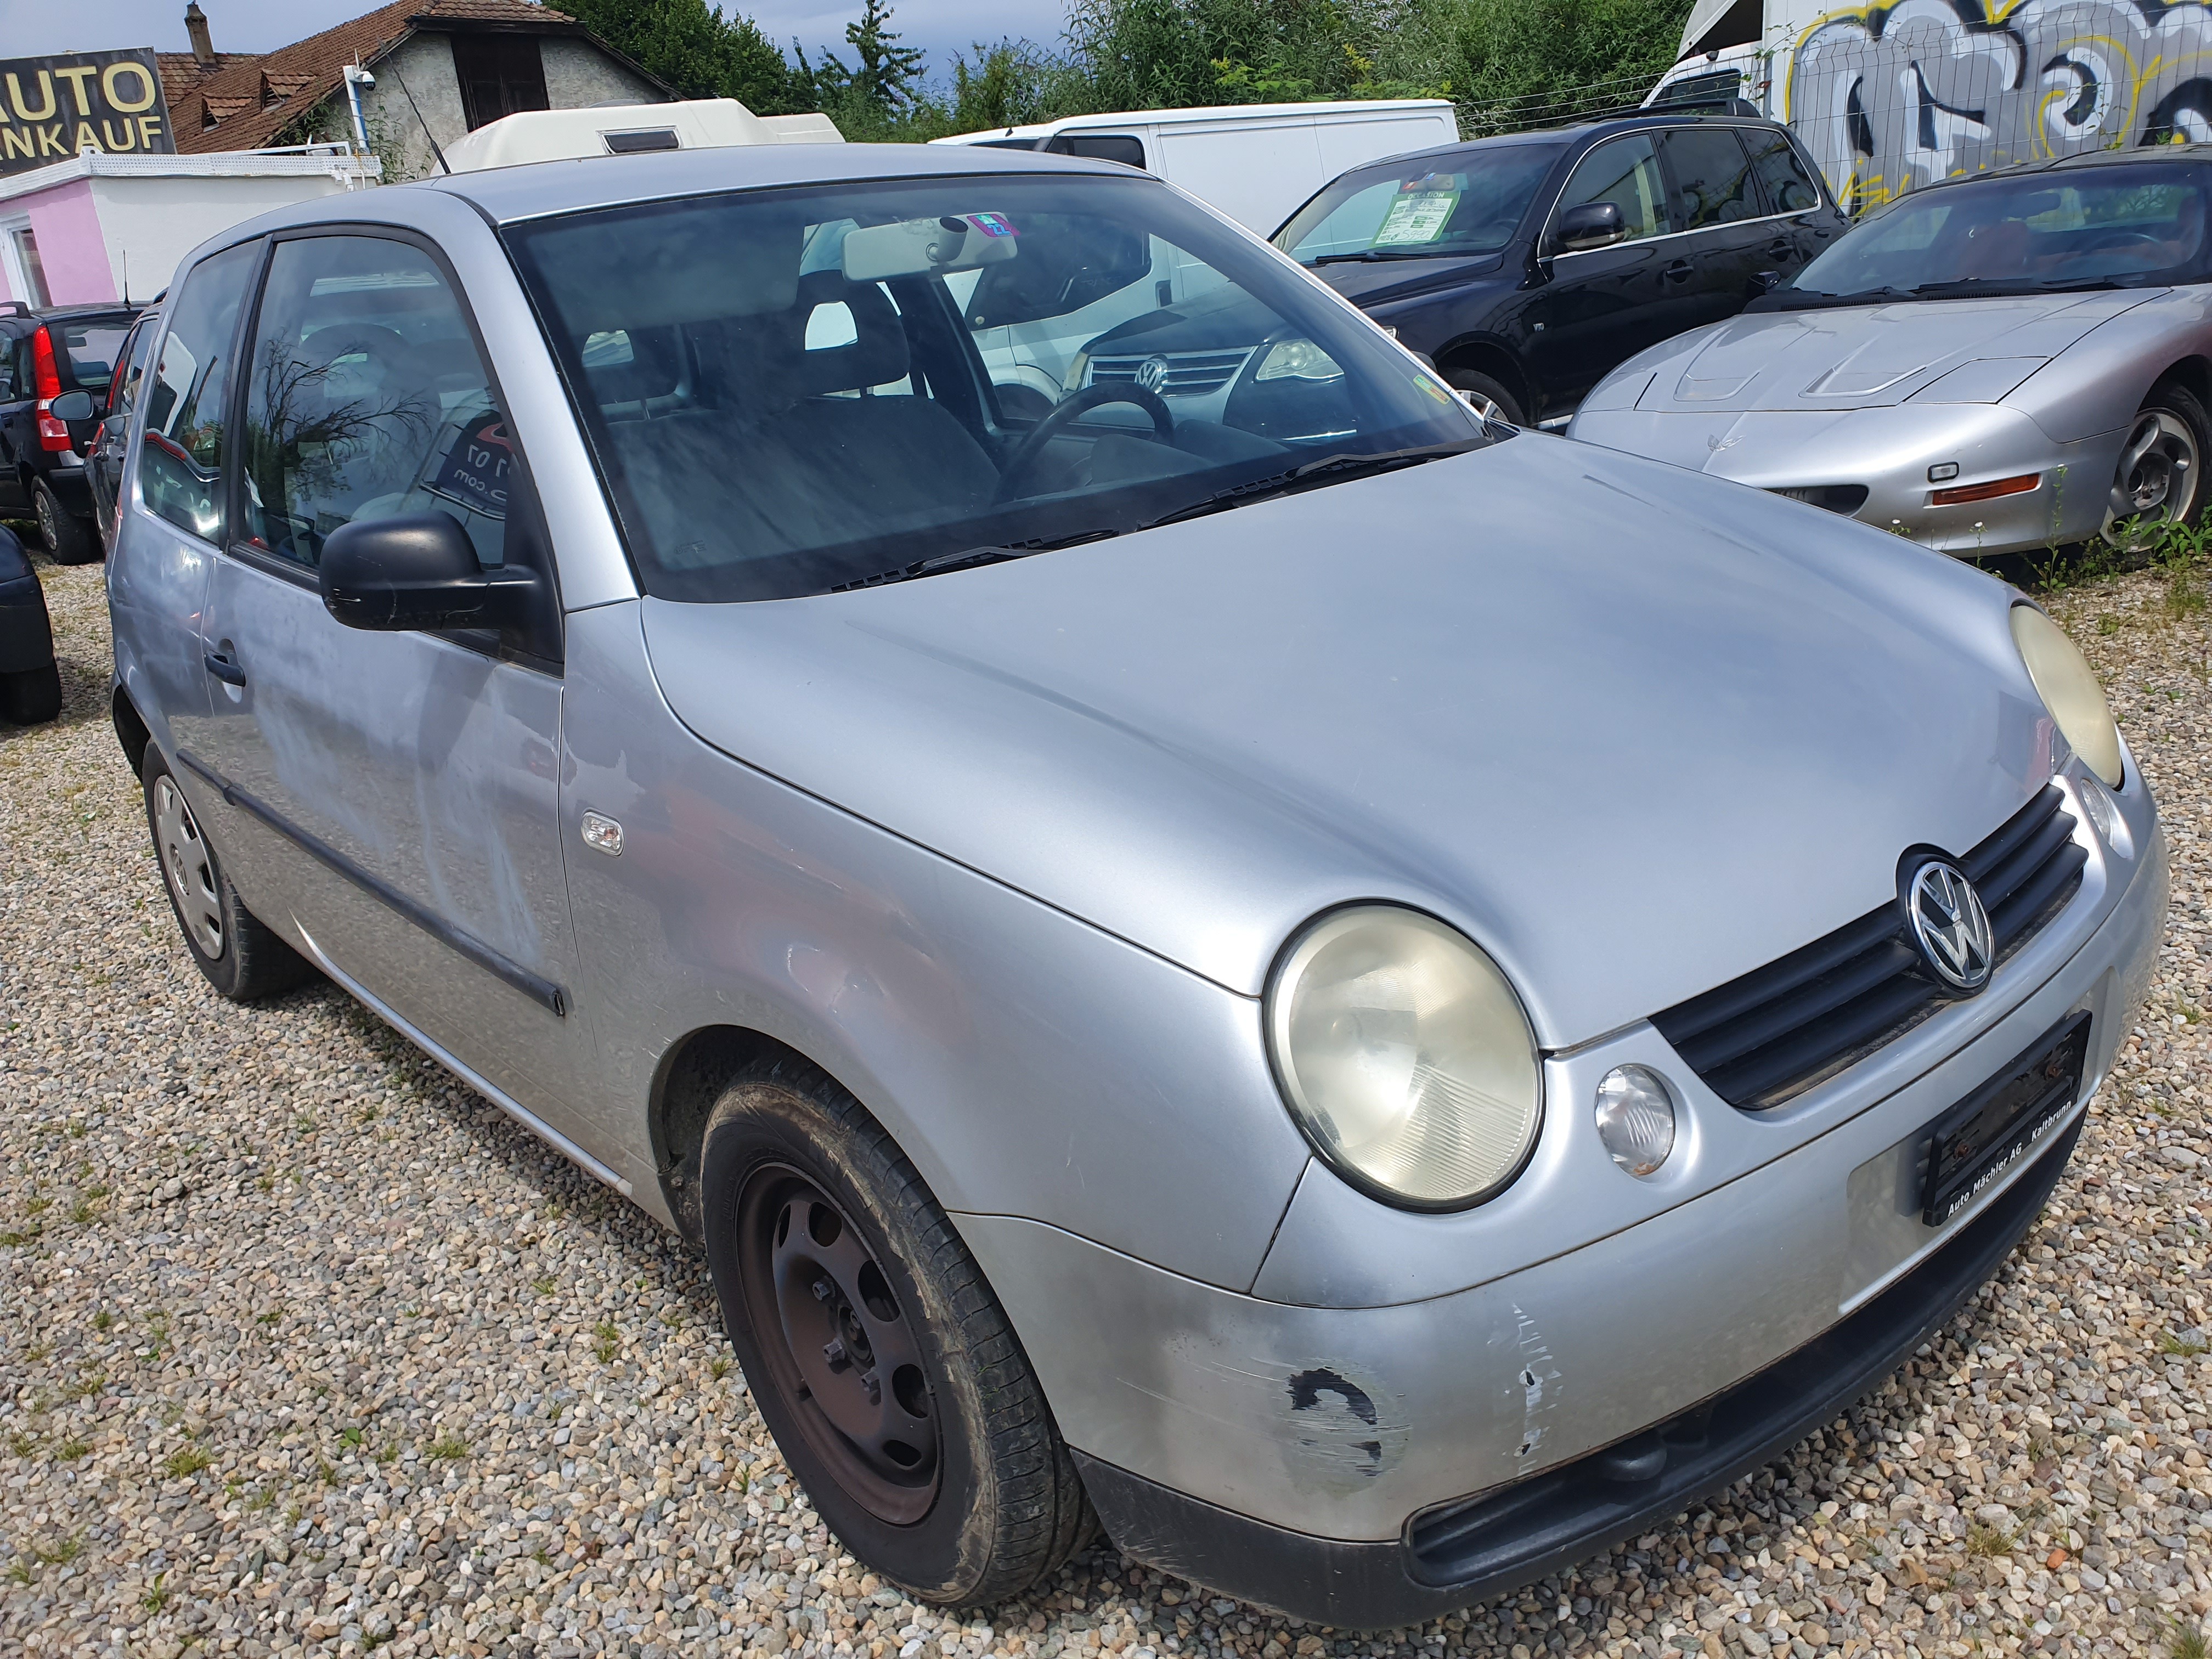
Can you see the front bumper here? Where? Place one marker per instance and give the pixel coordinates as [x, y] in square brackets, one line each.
[1297, 1448]
[1887, 452]
[1462, 1553]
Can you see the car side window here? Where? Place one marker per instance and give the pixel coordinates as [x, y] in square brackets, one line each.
[1625, 172]
[1712, 178]
[122, 389]
[1101, 147]
[7, 368]
[366, 399]
[180, 460]
[1790, 187]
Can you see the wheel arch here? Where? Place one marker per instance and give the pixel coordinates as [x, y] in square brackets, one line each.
[130, 730]
[2195, 373]
[687, 1083]
[1487, 355]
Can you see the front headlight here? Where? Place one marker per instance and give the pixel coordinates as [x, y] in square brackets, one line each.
[1299, 359]
[2068, 688]
[1405, 1057]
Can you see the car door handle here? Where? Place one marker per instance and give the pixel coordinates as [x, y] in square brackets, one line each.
[1679, 271]
[223, 668]
[1780, 248]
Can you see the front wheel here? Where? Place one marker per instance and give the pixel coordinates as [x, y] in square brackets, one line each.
[881, 1361]
[2158, 484]
[1487, 398]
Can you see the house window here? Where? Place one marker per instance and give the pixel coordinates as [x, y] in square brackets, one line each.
[498, 75]
[27, 272]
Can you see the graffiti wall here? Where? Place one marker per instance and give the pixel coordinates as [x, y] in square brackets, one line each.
[1890, 97]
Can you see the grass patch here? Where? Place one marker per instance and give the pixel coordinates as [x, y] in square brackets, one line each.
[448, 1447]
[187, 1461]
[1988, 1542]
[605, 1339]
[72, 1449]
[2184, 1347]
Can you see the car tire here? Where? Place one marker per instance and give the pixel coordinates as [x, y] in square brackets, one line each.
[1490, 398]
[917, 1427]
[31, 695]
[238, 953]
[2168, 446]
[69, 539]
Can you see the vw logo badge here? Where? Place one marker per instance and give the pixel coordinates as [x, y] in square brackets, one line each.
[1949, 926]
[1152, 374]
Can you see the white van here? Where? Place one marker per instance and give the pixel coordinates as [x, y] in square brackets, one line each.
[623, 129]
[1256, 162]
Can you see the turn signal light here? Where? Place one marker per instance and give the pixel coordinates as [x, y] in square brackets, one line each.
[1986, 492]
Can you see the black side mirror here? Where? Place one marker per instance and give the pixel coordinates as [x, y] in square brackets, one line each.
[1765, 281]
[417, 570]
[1593, 224]
[73, 406]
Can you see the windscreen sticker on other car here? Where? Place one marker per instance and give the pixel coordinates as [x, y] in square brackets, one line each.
[474, 472]
[1418, 214]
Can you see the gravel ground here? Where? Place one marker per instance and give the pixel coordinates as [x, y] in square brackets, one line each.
[304, 1347]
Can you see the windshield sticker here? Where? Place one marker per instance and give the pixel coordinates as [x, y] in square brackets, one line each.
[1417, 215]
[475, 471]
[992, 224]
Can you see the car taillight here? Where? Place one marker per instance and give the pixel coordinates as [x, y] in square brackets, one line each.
[53, 435]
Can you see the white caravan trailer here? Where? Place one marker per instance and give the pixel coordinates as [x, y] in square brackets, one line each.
[560, 134]
[1889, 97]
[1256, 162]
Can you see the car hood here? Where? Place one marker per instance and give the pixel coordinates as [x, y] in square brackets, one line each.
[1634, 731]
[1366, 283]
[1866, 357]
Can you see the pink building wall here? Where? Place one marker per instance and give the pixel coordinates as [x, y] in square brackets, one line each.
[66, 222]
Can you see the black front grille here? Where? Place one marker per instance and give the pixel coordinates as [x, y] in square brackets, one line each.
[1760, 1040]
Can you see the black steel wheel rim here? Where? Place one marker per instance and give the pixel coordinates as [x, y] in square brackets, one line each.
[841, 1346]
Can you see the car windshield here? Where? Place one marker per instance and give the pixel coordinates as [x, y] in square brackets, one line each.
[1469, 203]
[798, 390]
[90, 347]
[2111, 227]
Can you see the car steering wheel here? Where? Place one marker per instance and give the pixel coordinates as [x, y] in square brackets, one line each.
[1027, 452]
[2114, 241]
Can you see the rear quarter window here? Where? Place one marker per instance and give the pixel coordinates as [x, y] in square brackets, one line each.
[87, 350]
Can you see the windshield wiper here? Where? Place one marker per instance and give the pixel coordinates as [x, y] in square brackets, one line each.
[1371, 253]
[971, 558]
[1388, 460]
[1965, 287]
[1806, 298]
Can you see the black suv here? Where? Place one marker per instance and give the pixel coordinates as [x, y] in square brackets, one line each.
[1526, 267]
[44, 354]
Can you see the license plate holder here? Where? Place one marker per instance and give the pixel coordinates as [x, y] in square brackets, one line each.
[2003, 1121]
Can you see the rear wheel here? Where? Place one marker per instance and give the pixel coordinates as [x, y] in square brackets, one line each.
[2159, 483]
[1490, 398]
[68, 538]
[883, 1363]
[31, 695]
[237, 953]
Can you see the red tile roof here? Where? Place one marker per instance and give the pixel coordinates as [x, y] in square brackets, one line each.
[251, 99]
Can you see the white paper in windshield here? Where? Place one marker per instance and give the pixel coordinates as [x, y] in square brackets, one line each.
[1416, 217]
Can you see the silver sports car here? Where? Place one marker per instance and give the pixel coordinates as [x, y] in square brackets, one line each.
[2008, 362]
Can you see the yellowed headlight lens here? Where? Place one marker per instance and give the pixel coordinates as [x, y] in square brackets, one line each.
[2068, 688]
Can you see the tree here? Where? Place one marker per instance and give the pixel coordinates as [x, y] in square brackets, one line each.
[886, 75]
[697, 50]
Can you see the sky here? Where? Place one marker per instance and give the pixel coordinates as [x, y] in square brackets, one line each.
[30, 27]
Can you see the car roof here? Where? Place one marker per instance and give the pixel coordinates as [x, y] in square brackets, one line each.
[2175, 154]
[1561, 137]
[541, 189]
[32, 318]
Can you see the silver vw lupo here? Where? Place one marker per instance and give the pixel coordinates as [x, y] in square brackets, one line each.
[1370, 1001]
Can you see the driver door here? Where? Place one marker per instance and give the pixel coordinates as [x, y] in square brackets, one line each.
[400, 788]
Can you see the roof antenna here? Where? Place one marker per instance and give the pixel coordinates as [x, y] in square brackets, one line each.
[420, 122]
